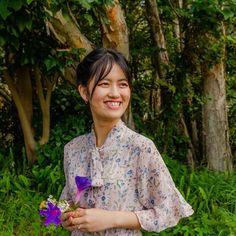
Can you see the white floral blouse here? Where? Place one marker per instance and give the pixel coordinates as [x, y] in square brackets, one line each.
[128, 174]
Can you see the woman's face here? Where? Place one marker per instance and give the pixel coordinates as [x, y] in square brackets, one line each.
[111, 96]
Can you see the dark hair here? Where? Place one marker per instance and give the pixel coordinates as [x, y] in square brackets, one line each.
[98, 64]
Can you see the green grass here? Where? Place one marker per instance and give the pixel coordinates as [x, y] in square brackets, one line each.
[19, 215]
[211, 194]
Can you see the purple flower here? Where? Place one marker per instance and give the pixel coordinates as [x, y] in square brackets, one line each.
[52, 214]
[82, 184]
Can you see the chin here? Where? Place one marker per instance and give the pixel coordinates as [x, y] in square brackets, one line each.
[112, 118]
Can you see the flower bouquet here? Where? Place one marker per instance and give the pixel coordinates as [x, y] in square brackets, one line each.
[51, 209]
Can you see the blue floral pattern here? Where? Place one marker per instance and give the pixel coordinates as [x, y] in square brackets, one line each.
[128, 174]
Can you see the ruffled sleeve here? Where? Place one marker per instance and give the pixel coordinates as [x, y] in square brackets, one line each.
[65, 193]
[163, 205]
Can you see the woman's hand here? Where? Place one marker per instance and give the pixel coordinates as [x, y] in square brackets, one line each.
[95, 220]
[88, 220]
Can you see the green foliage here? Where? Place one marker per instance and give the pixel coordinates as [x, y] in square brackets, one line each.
[231, 94]
[19, 215]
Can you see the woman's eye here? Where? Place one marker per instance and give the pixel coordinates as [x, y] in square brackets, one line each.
[103, 84]
[124, 85]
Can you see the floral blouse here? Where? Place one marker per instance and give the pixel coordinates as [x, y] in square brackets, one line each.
[128, 174]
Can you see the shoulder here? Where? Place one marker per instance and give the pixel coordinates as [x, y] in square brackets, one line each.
[76, 143]
[140, 141]
[145, 152]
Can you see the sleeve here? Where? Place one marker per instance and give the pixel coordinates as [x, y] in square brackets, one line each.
[65, 195]
[163, 205]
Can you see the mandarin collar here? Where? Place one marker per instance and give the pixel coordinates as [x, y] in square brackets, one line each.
[114, 136]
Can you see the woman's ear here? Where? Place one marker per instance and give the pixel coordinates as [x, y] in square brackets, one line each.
[83, 92]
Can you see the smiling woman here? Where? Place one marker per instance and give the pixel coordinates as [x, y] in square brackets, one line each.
[131, 187]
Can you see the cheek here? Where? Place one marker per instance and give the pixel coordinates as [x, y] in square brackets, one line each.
[127, 94]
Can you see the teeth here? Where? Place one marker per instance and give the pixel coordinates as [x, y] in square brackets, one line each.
[114, 104]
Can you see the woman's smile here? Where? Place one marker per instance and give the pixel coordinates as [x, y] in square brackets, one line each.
[114, 105]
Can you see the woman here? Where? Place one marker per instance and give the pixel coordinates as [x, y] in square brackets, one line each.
[131, 186]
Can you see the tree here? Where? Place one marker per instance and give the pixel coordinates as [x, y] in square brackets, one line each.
[28, 64]
[162, 65]
[205, 38]
[176, 72]
[21, 77]
[215, 120]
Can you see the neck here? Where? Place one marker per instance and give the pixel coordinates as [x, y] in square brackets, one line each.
[101, 131]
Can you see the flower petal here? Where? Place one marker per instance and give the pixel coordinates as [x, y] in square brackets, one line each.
[52, 214]
[82, 183]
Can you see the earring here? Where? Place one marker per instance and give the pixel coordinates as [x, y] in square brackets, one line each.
[86, 102]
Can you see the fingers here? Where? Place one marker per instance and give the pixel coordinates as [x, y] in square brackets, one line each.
[77, 221]
[77, 213]
[74, 223]
[73, 220]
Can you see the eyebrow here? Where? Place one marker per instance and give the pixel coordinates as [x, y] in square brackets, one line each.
[119, 80]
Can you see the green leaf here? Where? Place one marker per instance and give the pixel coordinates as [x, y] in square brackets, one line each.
[89, 19]
[24, 21]
[227, 13]
[85, 4]
[2, 41]
[50, 63]
[13, 31]
[24, 180]
[203, 193]
[29, 1]
[4, 12]
[7, 5]
[15, 4]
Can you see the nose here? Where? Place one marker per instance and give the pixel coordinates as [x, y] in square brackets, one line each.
[114, 91]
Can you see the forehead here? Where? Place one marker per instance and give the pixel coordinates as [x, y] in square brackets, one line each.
[110, 71]
[115, 72]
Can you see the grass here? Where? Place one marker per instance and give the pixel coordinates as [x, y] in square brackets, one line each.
[211, 194]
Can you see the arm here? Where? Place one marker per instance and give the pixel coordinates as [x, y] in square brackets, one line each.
[95, 220]
[164, 205]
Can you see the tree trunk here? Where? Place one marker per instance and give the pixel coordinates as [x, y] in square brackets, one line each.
[44, 101]
[160, 58]
[115, 33]
[215, 121]
[191, 155]
[24, 89]
[178, 4]
[66, 30]
[155, 95]
[161, 63]
[30, 143]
